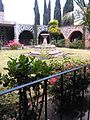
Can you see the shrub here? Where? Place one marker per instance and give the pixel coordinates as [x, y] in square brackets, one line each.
[77, 44]
[8, 106]
[60, 43]
[68, 19]
[24, 70]
[14, 45]
[27, 69]
[53, 29]
[54, 22]
[55, 83]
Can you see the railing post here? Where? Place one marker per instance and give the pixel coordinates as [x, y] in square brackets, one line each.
[25, 105]
[74, 78]
[83, 84]
[45, 100]
[20, 104]
[84, 78]
[61, 115]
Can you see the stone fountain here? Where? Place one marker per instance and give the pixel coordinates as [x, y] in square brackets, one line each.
[44, 35]
[45, 49]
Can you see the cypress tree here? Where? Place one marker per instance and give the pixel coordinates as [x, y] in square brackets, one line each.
[83, 3]
[36, 12]
[57, 12]
[69, 7]
[49, 11]
[1, 6]
[89, 2]
[45, 15]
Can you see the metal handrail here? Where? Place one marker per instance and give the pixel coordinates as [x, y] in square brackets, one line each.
[45, 80]
[40, 80]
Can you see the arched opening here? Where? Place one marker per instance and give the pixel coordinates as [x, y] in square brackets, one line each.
[26, 38]
[60, 41]
[40, 38]
[61, 36]
[6, 34]
[76, 35]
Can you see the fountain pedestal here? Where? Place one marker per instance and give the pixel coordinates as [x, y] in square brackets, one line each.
[44, 39]
[45, 48]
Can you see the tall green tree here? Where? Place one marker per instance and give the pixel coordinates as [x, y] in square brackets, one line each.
[36, 12]
[89, 2]
[45, 20]
[49, 11]
[1, 6]
[68, 7]
[35, 34]
[68, 17]
[57, 12]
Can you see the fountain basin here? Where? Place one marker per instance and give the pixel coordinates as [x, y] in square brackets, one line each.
[49, 50]
[45, 50]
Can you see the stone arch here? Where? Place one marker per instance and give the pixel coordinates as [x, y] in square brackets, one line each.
[87, 42]
[26, 37]
[40, 38]
[19, 28]
[41, 28]
[67, 30]
[6, 34]
[75, 35]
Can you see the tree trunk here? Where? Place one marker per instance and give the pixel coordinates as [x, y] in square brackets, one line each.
[83, 36]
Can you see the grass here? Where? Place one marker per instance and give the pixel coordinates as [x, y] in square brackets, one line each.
[80, 53]
[4, 57]
[5, 54]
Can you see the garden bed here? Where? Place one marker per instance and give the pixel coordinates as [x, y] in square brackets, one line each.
[26, 67]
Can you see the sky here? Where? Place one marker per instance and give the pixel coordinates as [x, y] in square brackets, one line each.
[21, 11]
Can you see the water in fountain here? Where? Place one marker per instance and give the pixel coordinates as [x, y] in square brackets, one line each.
[45, 49]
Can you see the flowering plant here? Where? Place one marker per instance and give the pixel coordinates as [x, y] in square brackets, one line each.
[14, 45]
[55, 83]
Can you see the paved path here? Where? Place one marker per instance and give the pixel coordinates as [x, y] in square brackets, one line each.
[53, 116]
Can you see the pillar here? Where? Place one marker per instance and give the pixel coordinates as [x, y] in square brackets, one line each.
[16, 32]
[67, 42]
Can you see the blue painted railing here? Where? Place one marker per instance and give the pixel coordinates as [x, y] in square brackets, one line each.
[44, 82]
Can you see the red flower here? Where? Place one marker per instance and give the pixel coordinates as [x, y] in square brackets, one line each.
[68, 65]
[53, 81]
[12, 43]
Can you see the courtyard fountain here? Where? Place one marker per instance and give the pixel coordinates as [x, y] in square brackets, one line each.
[45, 49]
